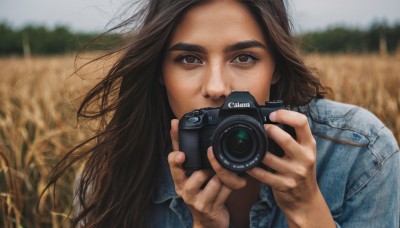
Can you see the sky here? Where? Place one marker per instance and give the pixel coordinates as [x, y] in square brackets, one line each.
[93, 15]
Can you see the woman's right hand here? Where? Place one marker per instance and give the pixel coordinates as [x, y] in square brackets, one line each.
[203, 192]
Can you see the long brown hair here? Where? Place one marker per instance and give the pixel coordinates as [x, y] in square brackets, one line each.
[118, 179]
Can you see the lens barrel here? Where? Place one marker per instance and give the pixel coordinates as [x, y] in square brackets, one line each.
[239, 143]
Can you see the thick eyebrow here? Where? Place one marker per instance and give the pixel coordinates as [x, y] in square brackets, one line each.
[187, 47]
[234, 47]
[244, 44]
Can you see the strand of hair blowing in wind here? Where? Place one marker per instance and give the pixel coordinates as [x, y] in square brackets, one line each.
[116, 184]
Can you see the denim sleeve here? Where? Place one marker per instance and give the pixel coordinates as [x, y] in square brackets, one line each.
[377, 202]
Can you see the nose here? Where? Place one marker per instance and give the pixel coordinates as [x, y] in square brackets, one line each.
[216, 83]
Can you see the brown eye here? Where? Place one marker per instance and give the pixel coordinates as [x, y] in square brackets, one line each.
[246, 59]
[243, 58]
[190, 59]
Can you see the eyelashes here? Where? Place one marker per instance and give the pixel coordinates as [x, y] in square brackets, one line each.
[188, 59]
[244, 59]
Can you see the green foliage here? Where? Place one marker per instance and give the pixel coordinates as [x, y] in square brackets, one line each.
[8, 39]
[342, 39]
[39, 40]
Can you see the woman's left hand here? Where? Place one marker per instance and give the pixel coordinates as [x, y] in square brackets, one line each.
[294, 182]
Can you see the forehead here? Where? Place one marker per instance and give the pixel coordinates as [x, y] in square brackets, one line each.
[227, 20]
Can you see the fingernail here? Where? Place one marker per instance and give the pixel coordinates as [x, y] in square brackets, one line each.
[210, 153]
[272, 116]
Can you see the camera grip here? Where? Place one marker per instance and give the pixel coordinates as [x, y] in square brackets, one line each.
[189, 144]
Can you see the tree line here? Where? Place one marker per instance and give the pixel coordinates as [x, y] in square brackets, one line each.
[39, 40]
[379, 37]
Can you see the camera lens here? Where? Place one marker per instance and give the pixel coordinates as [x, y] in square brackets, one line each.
[238, 142]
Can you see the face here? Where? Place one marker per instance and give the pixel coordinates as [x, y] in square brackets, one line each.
[217, 48]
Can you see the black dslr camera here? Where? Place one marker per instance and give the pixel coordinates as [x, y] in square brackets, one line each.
[235, 130]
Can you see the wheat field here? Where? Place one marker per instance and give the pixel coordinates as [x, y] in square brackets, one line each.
[39, 97]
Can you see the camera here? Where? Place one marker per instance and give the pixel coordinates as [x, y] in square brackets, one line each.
[235, 131]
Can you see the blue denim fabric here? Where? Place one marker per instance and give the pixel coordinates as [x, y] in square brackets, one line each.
[358, 172]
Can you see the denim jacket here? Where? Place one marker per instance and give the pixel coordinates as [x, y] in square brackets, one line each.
[358, 173]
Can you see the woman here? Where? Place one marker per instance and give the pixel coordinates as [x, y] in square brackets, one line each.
[338, 171]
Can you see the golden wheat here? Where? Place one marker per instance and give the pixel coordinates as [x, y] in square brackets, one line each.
[369, 81]
[37, 125]
[38, 100]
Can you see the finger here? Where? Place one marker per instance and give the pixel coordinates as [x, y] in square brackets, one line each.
[276, 163]
[296, 120]
[195, 182]
[276, 181]
[174, 134]
[282, 165]
[298, 160]
[230, 179]
[223, 195]
[211, 190]
[283, 139]
[214, 194]
[175, 160]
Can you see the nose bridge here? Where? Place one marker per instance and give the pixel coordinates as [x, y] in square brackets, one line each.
[216, 81]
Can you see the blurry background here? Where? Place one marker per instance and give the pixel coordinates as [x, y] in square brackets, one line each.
[93, 15]
[354, 47]
[49, 27]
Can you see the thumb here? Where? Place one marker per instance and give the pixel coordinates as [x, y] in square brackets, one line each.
[174, 134]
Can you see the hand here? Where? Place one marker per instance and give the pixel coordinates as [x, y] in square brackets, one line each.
[203, 192]
[294, 182]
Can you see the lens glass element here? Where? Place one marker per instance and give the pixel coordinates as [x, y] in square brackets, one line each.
[238, 142]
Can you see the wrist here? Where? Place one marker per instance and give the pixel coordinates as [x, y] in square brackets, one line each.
[206, 223]
[199, 225]
[313, 213]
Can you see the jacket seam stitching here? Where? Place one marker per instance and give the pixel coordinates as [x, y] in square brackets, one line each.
[372, 175]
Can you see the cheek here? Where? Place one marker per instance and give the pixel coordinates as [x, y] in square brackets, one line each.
[172, 90]
[177, 91]
[257, 83]
[263, 83]
[260, 91]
